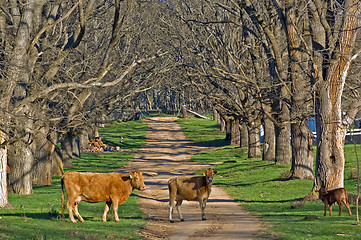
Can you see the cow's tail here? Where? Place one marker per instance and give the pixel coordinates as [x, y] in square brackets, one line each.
[62, 197]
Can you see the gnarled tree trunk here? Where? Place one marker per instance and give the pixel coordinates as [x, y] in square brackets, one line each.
[330, 122]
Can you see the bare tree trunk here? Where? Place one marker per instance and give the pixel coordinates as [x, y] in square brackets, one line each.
[19, 154]
[3, 181]
[254, 144]
[302, 152]
[76, 146]
[243, 135]
[84, 139]
[330, 122]
[21, 164]
[301, 141]
[67, 150]
[57, 168]
[222, 126]
[184, 111]
[236, 134]
[269, 144]
[228, 126]
[283, 150]
[216, 116]
[43, 150]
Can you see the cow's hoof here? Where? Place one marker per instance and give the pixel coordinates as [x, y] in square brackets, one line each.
[203, 219]
[182, 220]
[171, 221]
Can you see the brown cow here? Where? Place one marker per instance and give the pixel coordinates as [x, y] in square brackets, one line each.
[338, 195]
[190, 188]
[112, 188]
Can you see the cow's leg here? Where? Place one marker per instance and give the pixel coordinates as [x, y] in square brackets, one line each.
[330, 210]
[339, 208]
[172, 196]
[115, 208]
[77, 214]
[171, 206]
[179, 203]
[69, 206]
[202, 205]
[106, 210]
[348, 206]
[324, 214]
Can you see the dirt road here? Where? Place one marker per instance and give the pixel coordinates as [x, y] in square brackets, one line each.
[167, 154]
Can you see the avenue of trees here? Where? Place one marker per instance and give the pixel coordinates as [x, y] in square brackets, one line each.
[278, 63]
[66, 65]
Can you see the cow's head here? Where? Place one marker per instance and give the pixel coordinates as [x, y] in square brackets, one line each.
[136, 179]
[322, 191]
[209, 174]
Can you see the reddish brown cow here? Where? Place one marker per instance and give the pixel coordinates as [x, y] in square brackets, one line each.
[338, 195]
[190, 188]
[112, 188]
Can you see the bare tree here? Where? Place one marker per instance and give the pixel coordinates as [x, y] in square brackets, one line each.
[334, 27]
[64, 64]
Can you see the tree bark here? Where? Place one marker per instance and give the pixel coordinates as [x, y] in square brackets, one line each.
[43, 150]
[283, 150]
[21, 165]
[228, 122]
[236, 134]
[302, 152]
[269, 144]
[20, 155]
[331, 127]
[244, 135]
[184, 111]
[216, 116]
[67, 149]
[4, 203]
[254, 144]
[301, 142]
[222, 125]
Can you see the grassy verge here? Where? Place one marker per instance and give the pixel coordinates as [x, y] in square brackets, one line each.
[37, 216]
[258, 186]
[203, 131]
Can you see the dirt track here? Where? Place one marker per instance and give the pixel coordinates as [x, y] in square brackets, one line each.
[167, 154]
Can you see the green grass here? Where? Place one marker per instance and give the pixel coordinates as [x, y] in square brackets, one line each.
[37, 216]
[258, 186]
[203, 131]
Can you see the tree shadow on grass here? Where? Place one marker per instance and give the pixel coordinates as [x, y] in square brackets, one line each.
[213, 143]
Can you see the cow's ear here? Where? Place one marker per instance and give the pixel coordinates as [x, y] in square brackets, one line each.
[215, 172]
[131, 175]
[204, 173]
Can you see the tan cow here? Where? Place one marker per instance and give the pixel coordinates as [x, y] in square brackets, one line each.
[190, 188]
[112, 188]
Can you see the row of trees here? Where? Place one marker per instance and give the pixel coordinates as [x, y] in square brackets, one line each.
[66, 64]
[276, 63]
